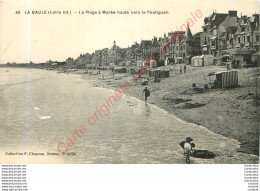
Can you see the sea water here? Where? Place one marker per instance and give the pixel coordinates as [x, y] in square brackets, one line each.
[39, 109]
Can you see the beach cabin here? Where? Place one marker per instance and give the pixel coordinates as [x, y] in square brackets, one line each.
[123, 63]
[258, 87]
[217, 61]
[157, 73]
[128, 63]
[130, 70]
[256, 58]
[164, 73]
[153, 63]
[203, 60]
[171, 72]
[139, 63]
[188, 60]
[151, 73]
[195, 61]
[120, 70]
[208, 60]
[226, 79]
[169, 61]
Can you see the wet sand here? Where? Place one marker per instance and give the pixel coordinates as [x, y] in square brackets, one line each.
[231, 112]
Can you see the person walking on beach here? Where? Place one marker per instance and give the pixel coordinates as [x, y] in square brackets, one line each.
[146, 94]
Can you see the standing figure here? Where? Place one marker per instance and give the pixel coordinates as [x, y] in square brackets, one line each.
[180, 69]
[184, 68]
[146, 93]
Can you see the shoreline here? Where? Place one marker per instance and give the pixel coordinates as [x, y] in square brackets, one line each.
[228, 124]
[216, 109]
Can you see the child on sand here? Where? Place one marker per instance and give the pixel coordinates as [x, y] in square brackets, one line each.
[187, 147]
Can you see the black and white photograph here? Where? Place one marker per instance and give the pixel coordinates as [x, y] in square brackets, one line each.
[129, 82]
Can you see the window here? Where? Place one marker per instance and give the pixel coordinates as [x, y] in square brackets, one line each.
[257, 38]
[244, 38]
[205, 39]
[181, 48]
[177, 48]
[213, 43]
[238, 39]
[248, 38]
[205, 30]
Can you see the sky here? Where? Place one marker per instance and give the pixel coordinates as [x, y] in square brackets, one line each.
[41, 37]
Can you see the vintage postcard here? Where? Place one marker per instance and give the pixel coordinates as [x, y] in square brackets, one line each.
[129, 82]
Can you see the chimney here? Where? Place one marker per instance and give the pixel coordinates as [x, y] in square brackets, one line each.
[232, 13]
[245, 18]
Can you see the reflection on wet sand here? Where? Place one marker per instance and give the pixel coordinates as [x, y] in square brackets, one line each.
[132, 133]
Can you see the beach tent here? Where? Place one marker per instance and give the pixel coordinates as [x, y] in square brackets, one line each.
[203, 60]
[128, 63]
[179, 60]
[169, 61]
[258, 87]
[188, 60]
[217, 61]
[151, 73]
[256, 58]
[195, 61]
[208, 60]
[157, 73]
[171, 72]
[120, 70]
[130, 70]
[139, 63]
[164, 73]
[153, 63]
[123, 63]
[227, 79]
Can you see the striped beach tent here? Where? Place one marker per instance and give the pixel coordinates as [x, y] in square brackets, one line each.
[227, 78]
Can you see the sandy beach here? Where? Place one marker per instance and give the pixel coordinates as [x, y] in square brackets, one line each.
[231, 112]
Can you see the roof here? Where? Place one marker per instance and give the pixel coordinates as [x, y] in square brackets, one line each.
[177, 35]
[229, 22]
[188, 34]
[145, 43]
[155, 43]
[218, 18]
[256, 54]
[216, 73]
